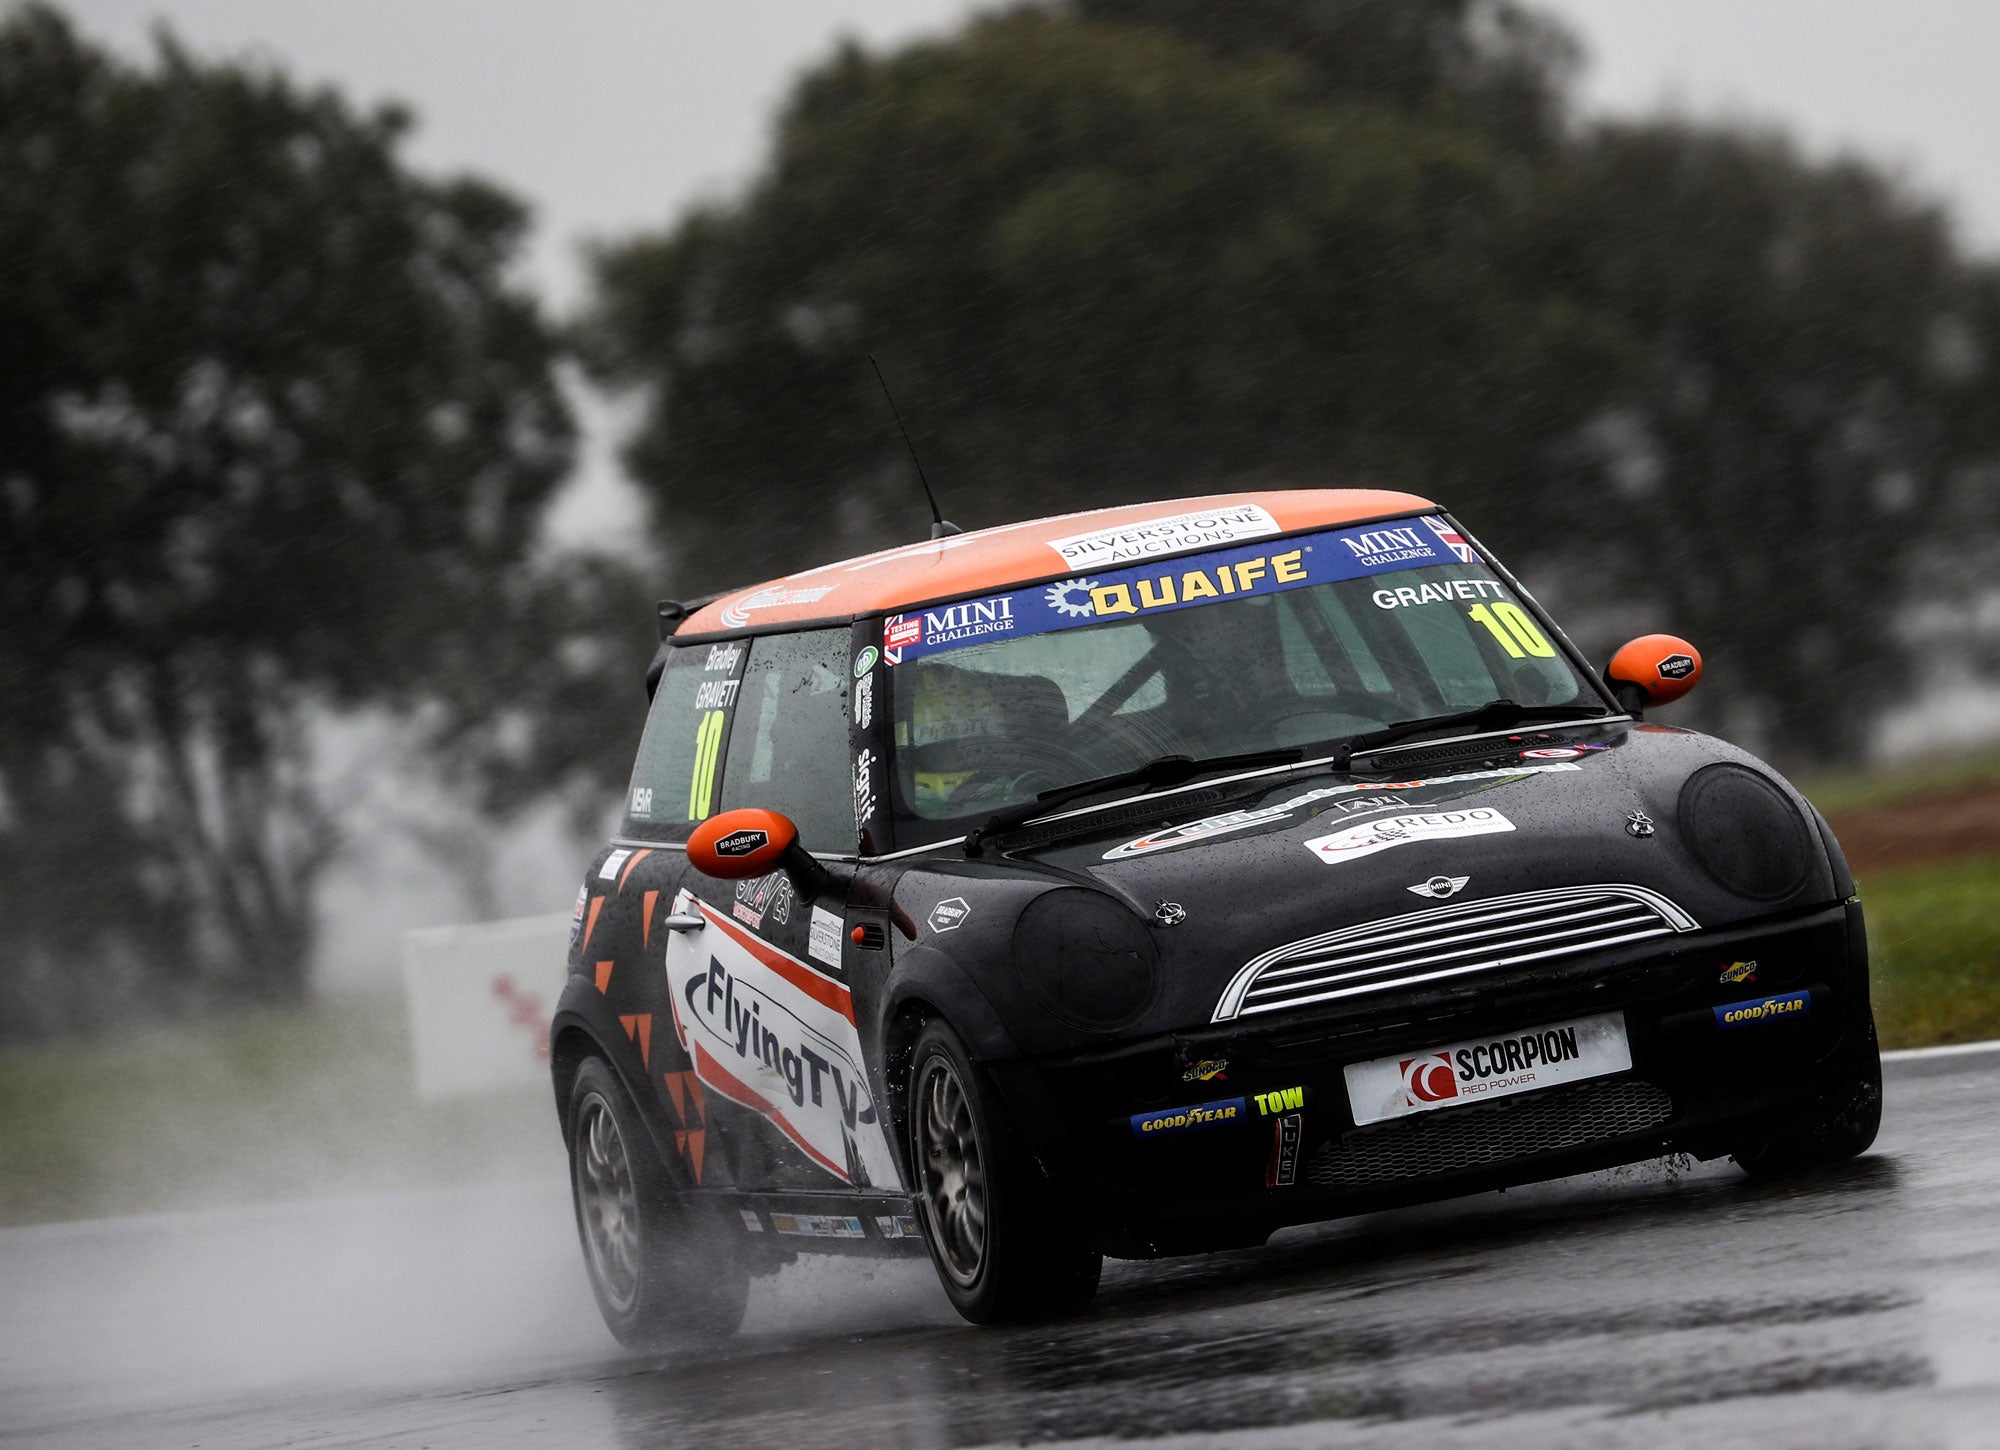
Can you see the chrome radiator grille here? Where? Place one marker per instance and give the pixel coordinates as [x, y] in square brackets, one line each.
[1449, 941]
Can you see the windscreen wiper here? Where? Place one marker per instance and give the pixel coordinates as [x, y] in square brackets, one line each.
[1493, 715]
[1164, 770]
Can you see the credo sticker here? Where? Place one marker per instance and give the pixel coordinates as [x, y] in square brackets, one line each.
[1243, 820]
[1367, 837]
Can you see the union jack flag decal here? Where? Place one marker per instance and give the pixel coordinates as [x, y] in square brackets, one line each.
[1452, 539]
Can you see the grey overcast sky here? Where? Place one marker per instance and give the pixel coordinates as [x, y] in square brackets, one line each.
[611, 115]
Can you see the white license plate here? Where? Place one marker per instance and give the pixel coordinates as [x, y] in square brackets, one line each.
[1487, 1067]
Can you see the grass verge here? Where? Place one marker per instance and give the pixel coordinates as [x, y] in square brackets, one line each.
[247, 1108]
[1934, 949]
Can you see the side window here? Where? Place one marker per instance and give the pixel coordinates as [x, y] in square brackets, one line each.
[675, 775]
[788, 746]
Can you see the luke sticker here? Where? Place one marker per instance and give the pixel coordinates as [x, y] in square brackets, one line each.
[776, 1035]
[1365, 838]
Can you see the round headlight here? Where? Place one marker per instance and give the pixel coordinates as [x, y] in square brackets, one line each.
[1745, 832]
[1085, 958]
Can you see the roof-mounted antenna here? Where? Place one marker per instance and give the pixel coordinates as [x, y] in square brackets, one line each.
[940, 525]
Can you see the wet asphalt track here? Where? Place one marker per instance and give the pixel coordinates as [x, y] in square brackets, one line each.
[1648, 1307]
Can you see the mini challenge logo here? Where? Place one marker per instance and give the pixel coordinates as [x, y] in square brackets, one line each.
[1428, 1079]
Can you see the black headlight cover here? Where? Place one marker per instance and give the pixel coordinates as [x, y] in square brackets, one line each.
[1745, 832]
[1086, 959]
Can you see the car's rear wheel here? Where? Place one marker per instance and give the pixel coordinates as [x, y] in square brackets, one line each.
[664, 1270]
[997, 1242]
[1841, 1123]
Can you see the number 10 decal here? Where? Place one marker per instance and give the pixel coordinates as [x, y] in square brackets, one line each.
[707, 746]
[1509, 624]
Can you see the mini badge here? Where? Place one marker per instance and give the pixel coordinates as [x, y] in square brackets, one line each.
[1639, 824]
[1439, 887]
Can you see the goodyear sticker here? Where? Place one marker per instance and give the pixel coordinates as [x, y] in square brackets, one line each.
[1184, 1120]
[1764, 1009]
[1179, 583]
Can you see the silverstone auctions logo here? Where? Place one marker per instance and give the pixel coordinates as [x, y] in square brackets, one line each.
[1367, 837]
[1136, 542]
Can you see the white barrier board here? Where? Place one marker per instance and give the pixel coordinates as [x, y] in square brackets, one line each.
[480, 998]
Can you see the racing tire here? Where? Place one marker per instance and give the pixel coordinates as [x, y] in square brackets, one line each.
[663, 1267]
[1840, 1125]
[993, 1230]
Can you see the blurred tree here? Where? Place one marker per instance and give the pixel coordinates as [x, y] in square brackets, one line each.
[1805, 442]
[1497, 66]
[1098, 263]
[274, 436]
[1136, 248]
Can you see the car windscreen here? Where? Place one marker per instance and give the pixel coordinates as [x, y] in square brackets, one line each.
[1300, 642]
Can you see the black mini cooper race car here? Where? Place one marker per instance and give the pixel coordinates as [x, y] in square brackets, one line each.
[1143, 881]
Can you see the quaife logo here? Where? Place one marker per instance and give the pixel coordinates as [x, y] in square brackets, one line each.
[1766, 1009]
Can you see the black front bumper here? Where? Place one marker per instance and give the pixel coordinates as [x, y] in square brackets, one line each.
[1290, 1152]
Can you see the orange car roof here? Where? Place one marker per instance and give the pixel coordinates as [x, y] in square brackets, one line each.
[1017, 554]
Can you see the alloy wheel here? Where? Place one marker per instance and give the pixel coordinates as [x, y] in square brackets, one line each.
[607, 1204]
[952, 1168]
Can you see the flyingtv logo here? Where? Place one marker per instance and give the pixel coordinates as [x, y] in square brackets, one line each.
[1428, 1079]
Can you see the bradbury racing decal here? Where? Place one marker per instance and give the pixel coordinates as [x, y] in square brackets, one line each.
[1183, 1120]
[1230, 821]
[1151, 538]
[1442, 1077]
[1350, 843]
[1766, 1009]
[776, 1035]
[1093, 597]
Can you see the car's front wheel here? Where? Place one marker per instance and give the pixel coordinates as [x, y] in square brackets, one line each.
[998, 1244]
[664, 1272]
[1840, 1124]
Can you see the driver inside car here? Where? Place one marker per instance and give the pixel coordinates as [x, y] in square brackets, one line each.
[975, 740]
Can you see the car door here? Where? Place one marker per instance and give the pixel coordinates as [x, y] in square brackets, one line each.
[761, 999]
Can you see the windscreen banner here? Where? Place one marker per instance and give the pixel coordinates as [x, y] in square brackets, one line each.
[1181, 583]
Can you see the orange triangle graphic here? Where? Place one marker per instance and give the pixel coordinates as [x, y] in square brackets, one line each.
[700, 1102]
[603, 976]
[674, 1091]
[680, 1142]
[646, 921]
[636, 859]
[631, 1026]
[596, 905]
[645, 1020]
[695, 1152]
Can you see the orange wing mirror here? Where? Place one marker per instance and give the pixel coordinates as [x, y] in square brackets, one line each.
[1654, 669]
[741, 844]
